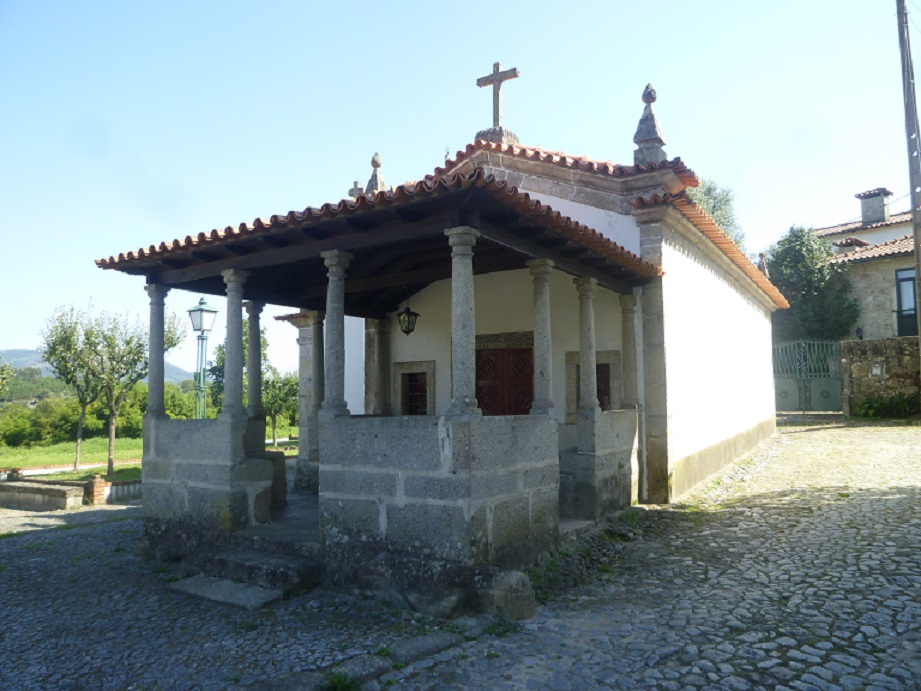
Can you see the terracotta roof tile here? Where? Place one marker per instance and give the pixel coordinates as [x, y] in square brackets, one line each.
[685, 174]
[894, 219]
[890, 248]
[431, 187]
[708, 227]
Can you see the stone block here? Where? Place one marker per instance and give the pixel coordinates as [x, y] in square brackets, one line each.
[510, 531]
[340, 518]
[307, 475]
[484, 485]
[225, 509]
[157, 469]
[358, 483]
[210, 474]
[439, 530]
[542, 476]
[439, 488]
[409, 443]
[164, 500]
[506, 594]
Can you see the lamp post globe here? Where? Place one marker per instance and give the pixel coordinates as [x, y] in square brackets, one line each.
[202, 316]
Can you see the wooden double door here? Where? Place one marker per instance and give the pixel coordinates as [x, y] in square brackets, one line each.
[505, 380]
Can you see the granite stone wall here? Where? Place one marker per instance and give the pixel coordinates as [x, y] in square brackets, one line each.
[880, 367]
[430, 498]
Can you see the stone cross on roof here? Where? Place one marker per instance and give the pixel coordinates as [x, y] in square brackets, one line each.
[356, 190]
[495, 80]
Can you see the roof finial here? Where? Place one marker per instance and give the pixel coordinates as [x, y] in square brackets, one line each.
[376, 183]
[648, 137]
[497, 133]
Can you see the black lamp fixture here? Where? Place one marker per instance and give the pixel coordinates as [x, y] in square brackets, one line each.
[407, 318]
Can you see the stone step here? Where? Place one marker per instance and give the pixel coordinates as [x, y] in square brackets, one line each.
[262, 568]
[227, 592]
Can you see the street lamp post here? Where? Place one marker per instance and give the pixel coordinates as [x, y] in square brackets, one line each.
[202, 317]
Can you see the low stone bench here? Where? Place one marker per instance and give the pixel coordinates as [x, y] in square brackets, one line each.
[40, 497]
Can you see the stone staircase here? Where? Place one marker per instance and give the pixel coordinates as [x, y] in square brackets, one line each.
[259, 565]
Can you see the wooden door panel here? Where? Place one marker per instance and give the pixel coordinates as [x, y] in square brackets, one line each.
[505, 380]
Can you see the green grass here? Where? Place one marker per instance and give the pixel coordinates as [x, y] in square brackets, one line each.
[94, 450]
[123, 473]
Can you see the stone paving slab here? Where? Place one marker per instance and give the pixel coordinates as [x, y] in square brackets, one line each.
[227, 592]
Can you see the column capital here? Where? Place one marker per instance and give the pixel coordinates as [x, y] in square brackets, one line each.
[628, 302]
[234, 277]
[540, 268]
[253, 308]
[156, 291]
[305, 320]
[585, 285]
[377, 325]
[337, 259]
[462, 236]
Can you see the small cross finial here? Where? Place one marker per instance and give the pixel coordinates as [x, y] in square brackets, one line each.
[356, 190]
[495, 80]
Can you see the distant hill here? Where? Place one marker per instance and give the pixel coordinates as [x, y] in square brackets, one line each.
[30, 358]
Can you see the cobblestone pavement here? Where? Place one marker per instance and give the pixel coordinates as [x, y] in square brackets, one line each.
[799, 569]
[82, 608]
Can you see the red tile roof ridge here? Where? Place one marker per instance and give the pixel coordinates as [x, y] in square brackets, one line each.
[889, 248]
[710, 229]
[894, 219]
[429, 186]
[685, 174]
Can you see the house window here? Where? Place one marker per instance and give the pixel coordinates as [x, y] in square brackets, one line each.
[415, 393]
[413, 388]
[906, 320]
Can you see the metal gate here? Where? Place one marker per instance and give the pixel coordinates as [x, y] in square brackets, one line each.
[807, 375]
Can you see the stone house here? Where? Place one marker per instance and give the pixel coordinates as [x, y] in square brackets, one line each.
[588, 337]
[878, 252]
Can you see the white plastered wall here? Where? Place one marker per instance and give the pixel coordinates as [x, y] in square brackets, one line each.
[718, 354]
[504, 303]
[614, 226]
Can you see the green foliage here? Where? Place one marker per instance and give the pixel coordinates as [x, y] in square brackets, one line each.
[6, 372]
[718, 203]
[898, 405]
[500, 628]
[28, 383]
[818, 291]
[341, 681]
[280, 398]
[16, 426]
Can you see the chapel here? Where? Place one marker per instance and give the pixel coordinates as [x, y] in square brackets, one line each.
[589, 338]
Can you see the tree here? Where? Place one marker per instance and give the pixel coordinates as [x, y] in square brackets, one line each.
[279, 398]
[6, 371]
[817, 289]
[67, 348]
[717, 202]
[120, 360]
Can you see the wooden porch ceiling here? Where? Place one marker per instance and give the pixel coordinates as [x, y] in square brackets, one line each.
[398, 250]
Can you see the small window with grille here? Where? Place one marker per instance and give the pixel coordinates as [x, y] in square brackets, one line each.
[414, 387]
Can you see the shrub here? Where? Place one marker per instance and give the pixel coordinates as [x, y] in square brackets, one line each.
[899, 405]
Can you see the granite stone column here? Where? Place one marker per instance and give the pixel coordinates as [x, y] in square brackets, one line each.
[254, 406]
[334, 404]
[233, 345]
[377, 366]
[588, 379]
[628, 349]
[156, 406]
[543, 349]
[463, 322]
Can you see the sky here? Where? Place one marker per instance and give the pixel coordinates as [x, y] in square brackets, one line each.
[124, 124]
